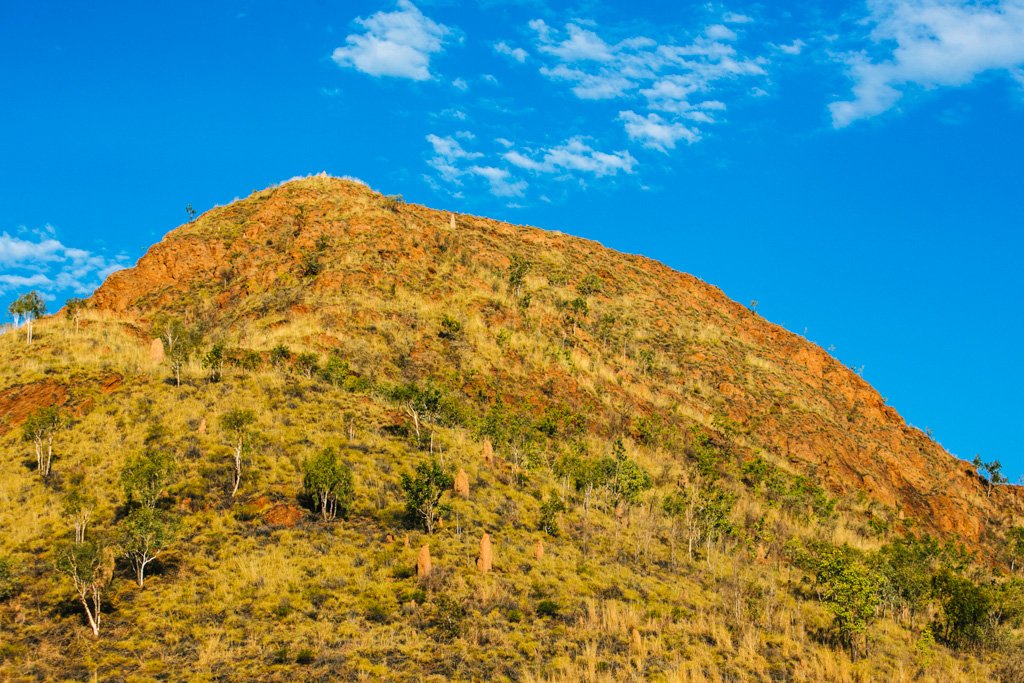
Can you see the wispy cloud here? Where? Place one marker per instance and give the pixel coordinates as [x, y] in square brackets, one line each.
[398, 44]
[573, 155]
[929, 44]
[516, 53]
[40, 261]
[655, 132]
[679, 81]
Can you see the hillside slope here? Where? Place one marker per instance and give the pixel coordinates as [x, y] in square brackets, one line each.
[618, 473]
[651, 341]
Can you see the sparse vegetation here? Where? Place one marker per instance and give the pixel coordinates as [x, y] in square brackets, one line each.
[667, 494]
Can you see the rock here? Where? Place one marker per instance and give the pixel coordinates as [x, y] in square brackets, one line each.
[390, 538]
[462, 484]
[452, 216]
[405, 541]
[156, 351]
[488, 453]
[538, 549]
[423, 566]
[283, 514]
[486, 559]
[201, 429]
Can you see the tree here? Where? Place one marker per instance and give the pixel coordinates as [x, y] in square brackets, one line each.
[27, 307]
[549, 511]
[990, 472]
[90, 566]
[1015, 547]
[214, 362]
[145, 476]
[517, 270]
[236, 425]
[73, 310]
[191, 213]
[145, 533]
[41, 428]
[425, 406]
[630, 480]
[180, 342]
[852, 591]
[79, 505]
[423, 491]
[965, 610]
[329, 483]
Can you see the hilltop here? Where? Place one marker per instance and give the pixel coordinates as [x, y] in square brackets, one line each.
[716, 498]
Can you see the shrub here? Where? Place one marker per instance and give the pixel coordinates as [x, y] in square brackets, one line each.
[423, 491]
[329, 483]
[547, 608]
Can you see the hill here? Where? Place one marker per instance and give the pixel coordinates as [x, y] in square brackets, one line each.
[716, 497]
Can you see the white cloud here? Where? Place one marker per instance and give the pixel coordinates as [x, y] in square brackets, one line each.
[461, 84]
[655, 132]
[398, 44]
[49, 265]
[500, 180]
[794, 48]
[573, 155]
[734, 18]
[929, 44]
[672, 79]
[516, 53]
[448, 154]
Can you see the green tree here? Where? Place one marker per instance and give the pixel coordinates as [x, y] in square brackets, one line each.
[181, 342]
[966, 608]
[629, 480]
[27, 307]
[517, 270]
[73, 310]
[549, 511]
[990, 472]
[329, 483]
[144, 533]
[90, 567]
[423, 491]
[1015, 547]
[146, 476]
[236, 424]
[213, 361]
[852, 591]
[280, 357]
[41, 429]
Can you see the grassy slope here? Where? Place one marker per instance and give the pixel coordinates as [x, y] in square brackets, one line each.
[240, 599]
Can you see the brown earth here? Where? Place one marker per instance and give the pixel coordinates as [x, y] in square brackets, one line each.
[712, 360]
[18, 402]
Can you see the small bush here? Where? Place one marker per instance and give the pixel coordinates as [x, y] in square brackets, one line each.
[547, 608]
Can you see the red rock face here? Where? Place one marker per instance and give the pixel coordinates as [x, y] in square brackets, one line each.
[18, 402]
[711, 358]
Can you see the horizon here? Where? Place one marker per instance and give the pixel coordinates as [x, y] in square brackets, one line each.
[800, 158]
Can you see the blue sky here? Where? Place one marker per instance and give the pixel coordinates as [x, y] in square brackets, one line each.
[854, 167]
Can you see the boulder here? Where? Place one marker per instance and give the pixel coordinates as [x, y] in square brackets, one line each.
[538, 549]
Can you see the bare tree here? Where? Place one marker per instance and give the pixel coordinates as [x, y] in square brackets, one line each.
[236, 425]
[90, 566]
